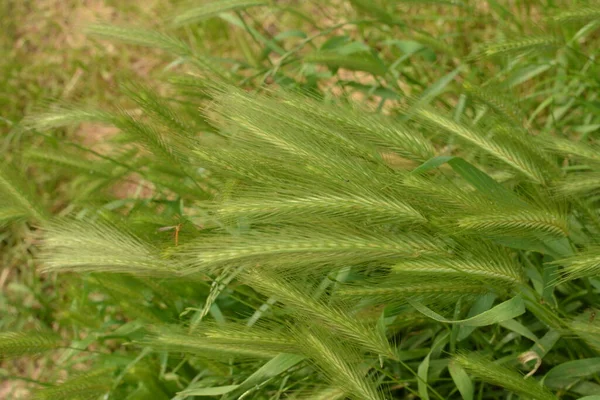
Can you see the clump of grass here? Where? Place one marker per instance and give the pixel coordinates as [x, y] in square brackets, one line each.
[283, 240]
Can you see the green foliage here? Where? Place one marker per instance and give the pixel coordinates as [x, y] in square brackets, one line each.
[253, 231]
[213, 8]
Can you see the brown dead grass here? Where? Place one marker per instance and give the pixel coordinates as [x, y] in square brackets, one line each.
[14, 389]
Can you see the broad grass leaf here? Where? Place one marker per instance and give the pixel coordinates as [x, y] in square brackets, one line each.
[546, 343]
[483, 304]
[509, 309]
[476, 178]
[567, 373]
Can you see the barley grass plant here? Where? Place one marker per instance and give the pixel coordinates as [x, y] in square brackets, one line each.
[359, 203]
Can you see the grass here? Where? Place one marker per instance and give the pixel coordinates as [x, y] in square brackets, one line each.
[48, 57]
[503, 221]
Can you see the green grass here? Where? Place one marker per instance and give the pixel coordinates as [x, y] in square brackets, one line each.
[364, 200]
[46, 57]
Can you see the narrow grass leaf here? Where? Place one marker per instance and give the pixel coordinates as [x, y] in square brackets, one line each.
[213, 8]
[208, 391]
[462, 380]
[516, 326]
[436, 88]
[277, 365]
[543, 346]
[371, 7]
[422, 373]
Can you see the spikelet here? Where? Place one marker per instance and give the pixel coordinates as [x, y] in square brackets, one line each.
[307, 308]
[71, 162]
[494, 97]
[579, 185]
[140, 37]
[10, 214]
[517, 46]
[150, 137]
[579, 150]
[64, 115]
[100, 246]
[516, 223]
[158, 108]
[583, 264]
[503, 376]
[337, 361]
[486, 262]
[16, 344]
[363, 125]
[397, 288]
[578, 15]
[374, 208]
[229, 340]
[87, 386]
[510, 153]
[294, 248]
[158, 40]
